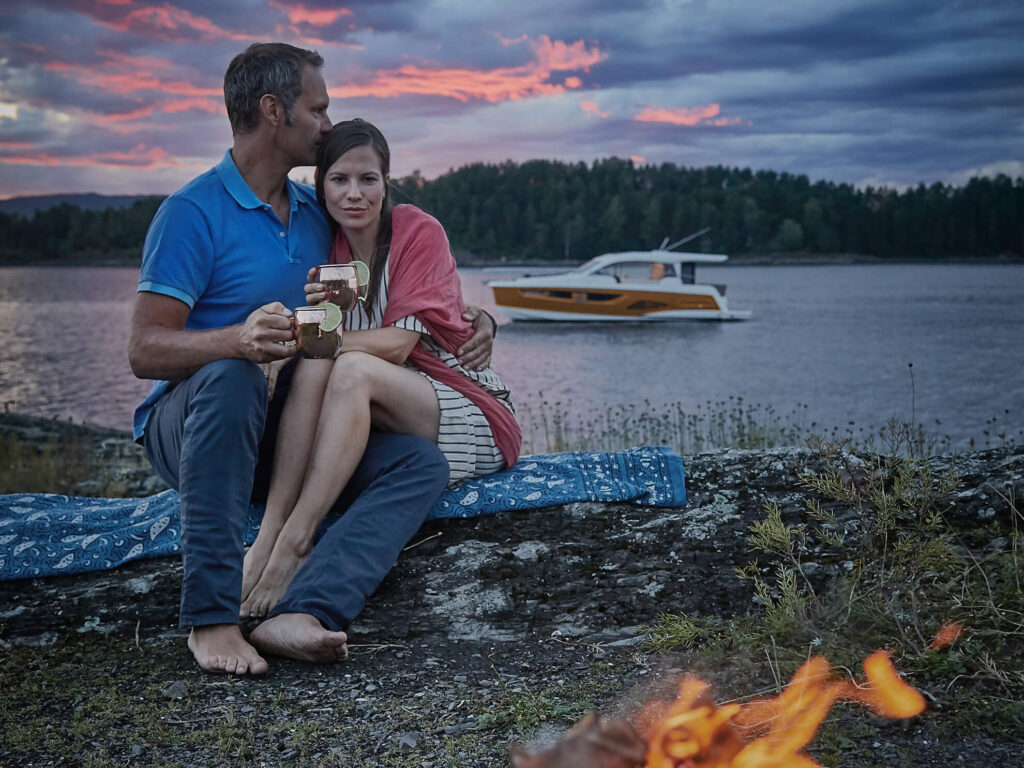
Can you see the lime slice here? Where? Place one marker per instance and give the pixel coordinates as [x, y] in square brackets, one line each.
[332, 316]
[362, 271]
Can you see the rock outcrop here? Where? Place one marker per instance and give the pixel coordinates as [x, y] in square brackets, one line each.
[586, 572]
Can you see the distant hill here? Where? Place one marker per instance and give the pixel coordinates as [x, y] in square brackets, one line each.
[90, 201]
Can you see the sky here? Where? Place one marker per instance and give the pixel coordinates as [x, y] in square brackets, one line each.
[124, 96]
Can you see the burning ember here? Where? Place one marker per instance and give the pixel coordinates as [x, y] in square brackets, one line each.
[693, 732]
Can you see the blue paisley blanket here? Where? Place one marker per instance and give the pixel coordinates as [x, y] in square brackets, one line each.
[49, 534]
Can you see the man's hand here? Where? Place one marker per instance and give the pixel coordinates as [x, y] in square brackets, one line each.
[266, 335]
[475, 354]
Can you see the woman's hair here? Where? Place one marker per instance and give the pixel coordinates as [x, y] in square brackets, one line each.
[341, 138]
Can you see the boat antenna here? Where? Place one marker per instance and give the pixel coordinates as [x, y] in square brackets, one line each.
[663, 244]
[687, 239]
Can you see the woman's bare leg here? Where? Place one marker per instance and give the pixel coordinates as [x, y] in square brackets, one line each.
[294, 445]
[363, 389]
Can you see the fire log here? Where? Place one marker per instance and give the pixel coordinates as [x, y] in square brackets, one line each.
[591, 743]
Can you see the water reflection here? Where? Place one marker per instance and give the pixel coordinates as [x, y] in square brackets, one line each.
[838, 339]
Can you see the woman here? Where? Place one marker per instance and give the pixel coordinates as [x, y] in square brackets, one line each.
[396, 369]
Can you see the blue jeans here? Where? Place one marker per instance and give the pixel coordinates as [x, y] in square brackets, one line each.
[212, 435]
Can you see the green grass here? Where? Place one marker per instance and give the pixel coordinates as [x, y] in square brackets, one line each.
[551, 426]
[903, 571]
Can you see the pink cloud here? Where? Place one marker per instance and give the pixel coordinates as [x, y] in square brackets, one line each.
[121, 117]
[637, 159]
[127, 82]
[163, 22]
[319, 17]
[678, 116]
[591, 108]
[138, 158]
[706, 115]
[297, 35]
[573, 82]
[558, 55]
[188, 104]
[507, 41]
[194, 104]
[496, 85]
[461, 84]
[117, 58]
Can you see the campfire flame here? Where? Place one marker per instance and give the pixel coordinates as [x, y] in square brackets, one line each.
[696, 733]
[946, 636]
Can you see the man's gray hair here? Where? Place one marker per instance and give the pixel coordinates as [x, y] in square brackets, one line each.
[274, 68]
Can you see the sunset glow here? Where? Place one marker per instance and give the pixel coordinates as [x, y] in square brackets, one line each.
[453, 84]
[319, 17]
[496, 85]
[678, 116]
[592, 108]
[164, 22]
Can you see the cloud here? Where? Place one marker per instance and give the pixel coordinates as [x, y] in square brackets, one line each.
[194, 103]
[138, 158]
[678, 115]
[128, 82]
[637, 159]
[298, 13]
[164, 22]
[556, 55]
[591, 107]
[494, 85]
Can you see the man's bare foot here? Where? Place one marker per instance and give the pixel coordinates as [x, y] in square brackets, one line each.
[221, 648]
[300, 636]
[277, 575]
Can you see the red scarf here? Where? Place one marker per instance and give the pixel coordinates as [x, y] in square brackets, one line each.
[422, 281]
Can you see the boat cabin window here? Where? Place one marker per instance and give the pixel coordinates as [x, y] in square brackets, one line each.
[687, 272]
[638, 270]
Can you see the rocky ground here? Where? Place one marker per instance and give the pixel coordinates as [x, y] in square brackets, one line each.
[487, 631]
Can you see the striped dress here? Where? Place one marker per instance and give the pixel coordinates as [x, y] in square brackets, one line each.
[464, 435]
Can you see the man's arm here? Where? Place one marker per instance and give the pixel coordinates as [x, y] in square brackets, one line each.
[475, 354]
[159, 347]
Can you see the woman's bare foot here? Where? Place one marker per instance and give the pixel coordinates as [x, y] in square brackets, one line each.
[300, 636]
[221, 648]
[253, 564]
[281, 568]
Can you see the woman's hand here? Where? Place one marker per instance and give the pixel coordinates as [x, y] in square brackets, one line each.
[315, 292]
[475, 354]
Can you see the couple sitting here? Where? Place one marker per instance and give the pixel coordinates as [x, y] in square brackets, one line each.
[407, 406]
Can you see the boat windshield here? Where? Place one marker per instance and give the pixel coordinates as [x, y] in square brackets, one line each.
[638, 271]
[586, 265]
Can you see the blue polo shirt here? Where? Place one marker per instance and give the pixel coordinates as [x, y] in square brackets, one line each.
[224, 252]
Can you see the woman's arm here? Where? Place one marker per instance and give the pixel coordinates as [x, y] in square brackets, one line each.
[391, 343]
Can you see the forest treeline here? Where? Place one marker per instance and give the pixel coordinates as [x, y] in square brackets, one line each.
[548, 210]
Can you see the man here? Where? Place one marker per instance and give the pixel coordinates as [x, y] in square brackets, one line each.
[225, 258]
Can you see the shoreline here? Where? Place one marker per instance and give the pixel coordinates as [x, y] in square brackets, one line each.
[511, 627]
[467, 262]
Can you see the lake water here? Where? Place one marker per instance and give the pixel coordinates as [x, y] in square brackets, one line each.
[828, 345]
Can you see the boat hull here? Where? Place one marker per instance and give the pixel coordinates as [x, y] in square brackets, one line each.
[605, 304]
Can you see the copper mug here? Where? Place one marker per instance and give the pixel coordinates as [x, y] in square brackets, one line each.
[314, 342]
[341, 282]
